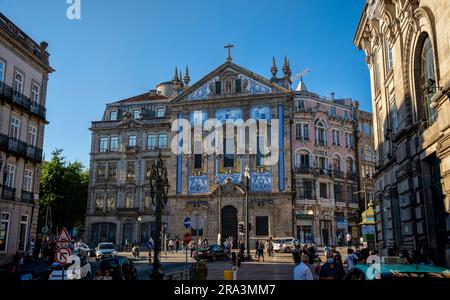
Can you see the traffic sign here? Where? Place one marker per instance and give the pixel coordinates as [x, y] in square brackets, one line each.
[187, 238]
[62, 255]
[187, 222]
[63, 236]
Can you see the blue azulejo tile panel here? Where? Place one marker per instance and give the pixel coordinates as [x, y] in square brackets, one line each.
[198, 184]
[200, 94]
[261, 182]
[229, 114]
[261, 113]
[235, 178]
[254, 87]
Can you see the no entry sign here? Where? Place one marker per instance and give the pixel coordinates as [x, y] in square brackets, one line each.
[62, 255]
[187, 238]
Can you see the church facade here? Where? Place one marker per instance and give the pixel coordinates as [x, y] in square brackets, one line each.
[233, 151]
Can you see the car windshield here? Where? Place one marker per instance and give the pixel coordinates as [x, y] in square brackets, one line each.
[106, 246]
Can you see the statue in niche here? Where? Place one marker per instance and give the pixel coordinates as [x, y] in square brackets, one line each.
[228, 86]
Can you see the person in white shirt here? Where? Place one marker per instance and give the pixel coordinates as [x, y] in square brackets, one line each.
[350, 259]
[302, 270]
[348, 238]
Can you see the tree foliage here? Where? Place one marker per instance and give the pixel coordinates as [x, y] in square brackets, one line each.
[64, 189]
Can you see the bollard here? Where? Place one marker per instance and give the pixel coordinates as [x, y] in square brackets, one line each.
[228, 273]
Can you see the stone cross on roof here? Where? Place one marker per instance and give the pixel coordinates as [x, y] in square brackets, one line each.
[229, 46]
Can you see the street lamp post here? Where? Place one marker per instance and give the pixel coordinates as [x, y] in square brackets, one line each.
[247, 190]
[159, 188]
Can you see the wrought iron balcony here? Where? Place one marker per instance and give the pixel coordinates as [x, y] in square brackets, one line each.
[8, 94]
[351, 175]
[303, 170]
[323, 172]
[9, 193]
[27, 197]
[338, 174]
[20, 148]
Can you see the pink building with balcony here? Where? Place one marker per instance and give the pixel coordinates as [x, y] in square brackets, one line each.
[326, 201]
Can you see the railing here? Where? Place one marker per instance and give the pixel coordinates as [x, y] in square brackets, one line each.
[303, 170]
[338, 174]
[324, 172]
[7, 93]
[351, 176]
[320, 143]
[9, 193]
[27, 197]
[20, 148]
[186, 275]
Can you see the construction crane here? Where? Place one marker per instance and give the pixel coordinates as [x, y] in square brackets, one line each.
[300, 76]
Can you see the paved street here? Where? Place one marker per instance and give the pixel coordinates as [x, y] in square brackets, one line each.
[273, 268]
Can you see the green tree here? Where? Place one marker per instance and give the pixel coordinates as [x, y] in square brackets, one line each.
[64, 189]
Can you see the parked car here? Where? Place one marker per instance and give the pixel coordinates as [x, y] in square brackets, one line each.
[283, 245]
[105, 250]
[393, 268]
[212, 252]
[76, 270]
[120, 268]
[84, 249]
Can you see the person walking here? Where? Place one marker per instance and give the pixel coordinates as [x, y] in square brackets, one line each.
[256, 248]
[302, 271]
[331, 270]
[261, 251]
[348, 238]
[350, 260]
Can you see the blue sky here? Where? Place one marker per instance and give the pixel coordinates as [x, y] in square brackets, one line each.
[123, 48]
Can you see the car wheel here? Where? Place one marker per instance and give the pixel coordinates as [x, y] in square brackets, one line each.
[287, 250]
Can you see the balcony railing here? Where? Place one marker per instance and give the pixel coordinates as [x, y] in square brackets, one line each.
[9, 193]
[320, 143]
[20, 148]
[303, 170]
[338, 174]
[324, 172]
[27, 197]
[351, 176]
[8, 94]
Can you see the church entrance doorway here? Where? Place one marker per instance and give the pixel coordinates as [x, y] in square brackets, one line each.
[229, 226]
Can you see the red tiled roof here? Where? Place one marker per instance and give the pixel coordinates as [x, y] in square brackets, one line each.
[143, 97]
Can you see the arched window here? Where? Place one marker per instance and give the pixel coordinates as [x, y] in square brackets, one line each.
[18, 82]
[427, 81]
[321, 134]
[35, 93]
[336, 163]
